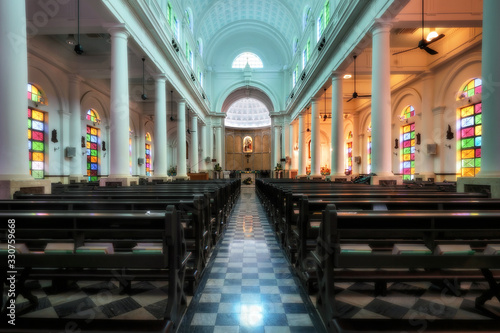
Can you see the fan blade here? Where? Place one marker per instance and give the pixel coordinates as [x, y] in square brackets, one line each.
[365, 96]
[430, 51]
[405, 50]
[350, 99]
[435, 39]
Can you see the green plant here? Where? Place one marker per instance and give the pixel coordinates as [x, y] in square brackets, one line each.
[172, 171]
[247, 181]
[217, 167]
[278, 167]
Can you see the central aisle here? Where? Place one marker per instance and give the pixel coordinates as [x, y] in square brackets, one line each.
[248, 285]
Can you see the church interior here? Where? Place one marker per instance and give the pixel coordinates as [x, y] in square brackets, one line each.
[250, 166]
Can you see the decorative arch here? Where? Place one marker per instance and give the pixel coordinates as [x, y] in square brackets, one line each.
[240, 89]
[189, 18]
[250, 58]
[93, 100]
[407, 96]
[306, 17]
[93, 116]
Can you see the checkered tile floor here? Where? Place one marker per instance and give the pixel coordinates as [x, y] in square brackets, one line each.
[249, 286]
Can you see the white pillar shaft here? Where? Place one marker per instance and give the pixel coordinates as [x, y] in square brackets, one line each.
[277, 146]
[381, 101]
[14, 160]
[294, 133]
[181, 140]
[287, 139]
[302, 156]
[426, 165]
[160, 144]
[204, 147]
[337, 130]
[76, 168]
[218, 146]
[356, 144]
[194, 144]
[490, 159]
[315, 143]
[119, 115]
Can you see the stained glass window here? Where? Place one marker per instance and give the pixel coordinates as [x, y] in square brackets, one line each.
[349, 157]
[469, 135]
[36, 143]
[93, 116]
[148, 136]
[130, 154]
[472, 88]
[369, 154]
[92, 153]
[148, 159]
[407, 146]
[320, 25]
[349, 135]
[407, 112]
[35, 94]
[327, 12]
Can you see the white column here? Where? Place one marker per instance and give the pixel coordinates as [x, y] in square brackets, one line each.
[381, 100]
[218, 146]
[356, 144]
[160, 138]
[63, 138]
[204, 146]
[277, 146]
[294, 137]
[315, 140]
[337, 130]
[490, 159]
[194, 144]
[14, 161]
[302, 146]
[141, 148]
[119, 114]
[181, 139]
[425, 166]
[76, 167]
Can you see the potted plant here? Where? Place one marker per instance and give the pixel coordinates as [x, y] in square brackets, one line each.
[217, 167]
[247, 181]
[172, 171]
[278, 167]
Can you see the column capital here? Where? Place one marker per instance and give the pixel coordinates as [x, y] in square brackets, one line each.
[182, 100]
[381, 26]
[159, 77]
[439, 109]
[63, 113]
[315, 100]
[118, 30]
[337, 75]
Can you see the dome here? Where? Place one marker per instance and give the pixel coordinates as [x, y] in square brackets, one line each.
[247, 112]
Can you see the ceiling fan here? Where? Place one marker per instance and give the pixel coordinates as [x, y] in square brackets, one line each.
[423, 44]
[355, 94]
[307, 129]
[325, 116]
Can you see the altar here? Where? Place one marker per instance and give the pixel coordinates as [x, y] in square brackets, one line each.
[244, 175]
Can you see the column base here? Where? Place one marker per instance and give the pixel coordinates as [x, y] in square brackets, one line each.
[181, 177]
[479, 184]
[78, 179]
[386, 180]
[9, 187]
[153, 179]
[341, 178]
[301, 177]
[118, 181]
[316, 177]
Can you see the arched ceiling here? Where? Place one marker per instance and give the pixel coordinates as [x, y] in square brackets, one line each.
[211, 16]
[247, 113]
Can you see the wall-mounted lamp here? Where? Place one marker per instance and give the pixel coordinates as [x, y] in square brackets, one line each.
[396, 143]
[417, 138]
[54, 136]
[103, 146]
[449, 133]
[83, 142]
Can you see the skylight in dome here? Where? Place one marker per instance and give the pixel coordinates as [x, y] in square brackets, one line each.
[247, 57]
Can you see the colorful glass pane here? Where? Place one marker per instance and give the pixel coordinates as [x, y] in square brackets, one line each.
[148, 136]
[473, 87]
[93, 116]
[408, 151]
[369, 154]
[34, 94]
[349, 157]
[36, 137]
[92, 153]
[470, 134]
[466, 122]
[148, 156]
[407, 112]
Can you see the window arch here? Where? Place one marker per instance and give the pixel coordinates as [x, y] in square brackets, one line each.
[469, 131]
[148, 136]
[407, 113]
[199, 45]
[189, 18]
[93, 116]
[295, 45]
[252, 59]
[36, 94]
[349, 153]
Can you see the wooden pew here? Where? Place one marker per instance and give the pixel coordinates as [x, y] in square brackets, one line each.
[380, 228]
[123, 229]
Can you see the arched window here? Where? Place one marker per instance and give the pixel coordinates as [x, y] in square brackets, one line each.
[148, 154]
[247, 57]
[407, 145]
[199, 45]
[130, 133]
[93, 116]
[92, 153]
[369, 148]
[306, 18]
[349, 153]
[189, 18]
[295, 45]
[469, 131]
[36, 134]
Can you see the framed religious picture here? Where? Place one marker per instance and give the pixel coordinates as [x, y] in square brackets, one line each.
[247, 144]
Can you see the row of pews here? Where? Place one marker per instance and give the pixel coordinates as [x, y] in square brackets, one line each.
[154, 232]
[344, 232]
